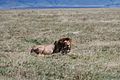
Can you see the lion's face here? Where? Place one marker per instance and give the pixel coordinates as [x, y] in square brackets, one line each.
[67, 46]
[67, 43]
[62, 45]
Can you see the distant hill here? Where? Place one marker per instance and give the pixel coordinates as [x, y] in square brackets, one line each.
[6, 4]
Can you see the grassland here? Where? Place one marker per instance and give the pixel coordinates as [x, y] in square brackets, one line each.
[95, 55]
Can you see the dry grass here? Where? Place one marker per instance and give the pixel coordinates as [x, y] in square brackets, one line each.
[95, 56]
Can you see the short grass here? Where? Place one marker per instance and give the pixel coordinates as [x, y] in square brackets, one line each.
[95, 54]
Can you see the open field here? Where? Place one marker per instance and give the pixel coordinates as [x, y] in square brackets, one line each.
[95, 55]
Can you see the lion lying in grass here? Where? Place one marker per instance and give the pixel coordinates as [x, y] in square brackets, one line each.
[62, 45]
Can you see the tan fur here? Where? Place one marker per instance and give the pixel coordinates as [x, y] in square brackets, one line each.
[43, 49]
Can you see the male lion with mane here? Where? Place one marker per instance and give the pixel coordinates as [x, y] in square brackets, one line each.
[63, 45]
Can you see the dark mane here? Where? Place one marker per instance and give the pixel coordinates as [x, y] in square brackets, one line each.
[60, 45]
[63, 39]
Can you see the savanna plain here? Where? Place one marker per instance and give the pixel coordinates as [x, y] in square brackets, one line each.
[95, 53]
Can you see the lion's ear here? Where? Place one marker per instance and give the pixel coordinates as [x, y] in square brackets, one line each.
[55, 42]
[61, 41]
